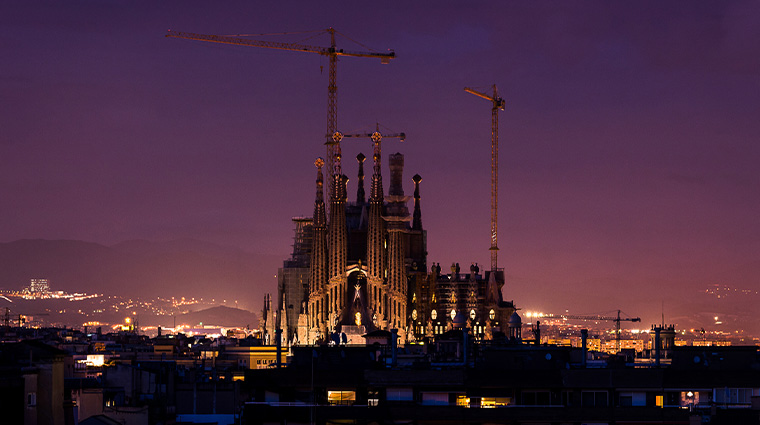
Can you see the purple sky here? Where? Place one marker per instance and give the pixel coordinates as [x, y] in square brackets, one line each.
[629, 145]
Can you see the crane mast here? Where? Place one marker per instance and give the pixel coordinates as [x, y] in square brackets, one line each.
[497, 104]
[332, 136]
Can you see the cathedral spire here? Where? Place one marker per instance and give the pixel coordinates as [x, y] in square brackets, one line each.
[376, 238]
[417, 216]
[360, 186]
[318, 266]
[337, 245]
[397, 222]
[319, 201]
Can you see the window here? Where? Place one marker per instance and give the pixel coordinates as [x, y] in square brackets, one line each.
[594, 398]
[435, 399]
[628, 399]
[342, 398]
[494, 401]
[567, 398]
[733, 395]
[31, 399]
[536, 398]
[399, 394]
[689, 398]
[373, 398]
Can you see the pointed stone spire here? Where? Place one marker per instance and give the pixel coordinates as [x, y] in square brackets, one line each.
[360, 185]
[337, 245]
[376, 237]
[417, 216]
[320, 218]
[337, 232]
[318, 267]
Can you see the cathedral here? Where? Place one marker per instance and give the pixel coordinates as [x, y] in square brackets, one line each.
[366, 269]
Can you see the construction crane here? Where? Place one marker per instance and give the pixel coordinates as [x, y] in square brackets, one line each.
[21, 317]
[332, 52]
[617, 319]
[376, 136]
[497, 105]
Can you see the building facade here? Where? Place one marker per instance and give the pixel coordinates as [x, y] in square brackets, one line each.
[366, 269]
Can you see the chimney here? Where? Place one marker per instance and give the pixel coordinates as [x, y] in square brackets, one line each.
[584, 345]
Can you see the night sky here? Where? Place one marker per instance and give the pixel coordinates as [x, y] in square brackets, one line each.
[629, 145]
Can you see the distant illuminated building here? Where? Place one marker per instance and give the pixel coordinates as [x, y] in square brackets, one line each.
[38, 287]
[366, 269]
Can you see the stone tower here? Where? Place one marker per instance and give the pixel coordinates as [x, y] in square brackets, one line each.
[397, 220]
[317, 309]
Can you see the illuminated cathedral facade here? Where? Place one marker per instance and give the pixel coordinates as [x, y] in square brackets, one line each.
[366, 269]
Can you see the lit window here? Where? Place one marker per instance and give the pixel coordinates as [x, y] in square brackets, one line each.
[345, 398]
[373, 399]
[472, 314]
[434, 315]
[489, 402]
[31, 399]
[491, 314]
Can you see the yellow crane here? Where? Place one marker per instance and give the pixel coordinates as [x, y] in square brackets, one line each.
[332, 52]
[497, 105]
[597, 318]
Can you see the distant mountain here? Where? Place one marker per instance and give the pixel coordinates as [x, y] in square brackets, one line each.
[219, 316]
[187, 267]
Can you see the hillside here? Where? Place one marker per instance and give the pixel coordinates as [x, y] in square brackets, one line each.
[188, 268]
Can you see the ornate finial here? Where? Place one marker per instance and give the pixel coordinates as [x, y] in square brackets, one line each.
[417, 215]
[337, 137]
[376, 137]
[319, 163]
[360, 157]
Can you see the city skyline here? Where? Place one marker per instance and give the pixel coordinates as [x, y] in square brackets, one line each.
[627, 172]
